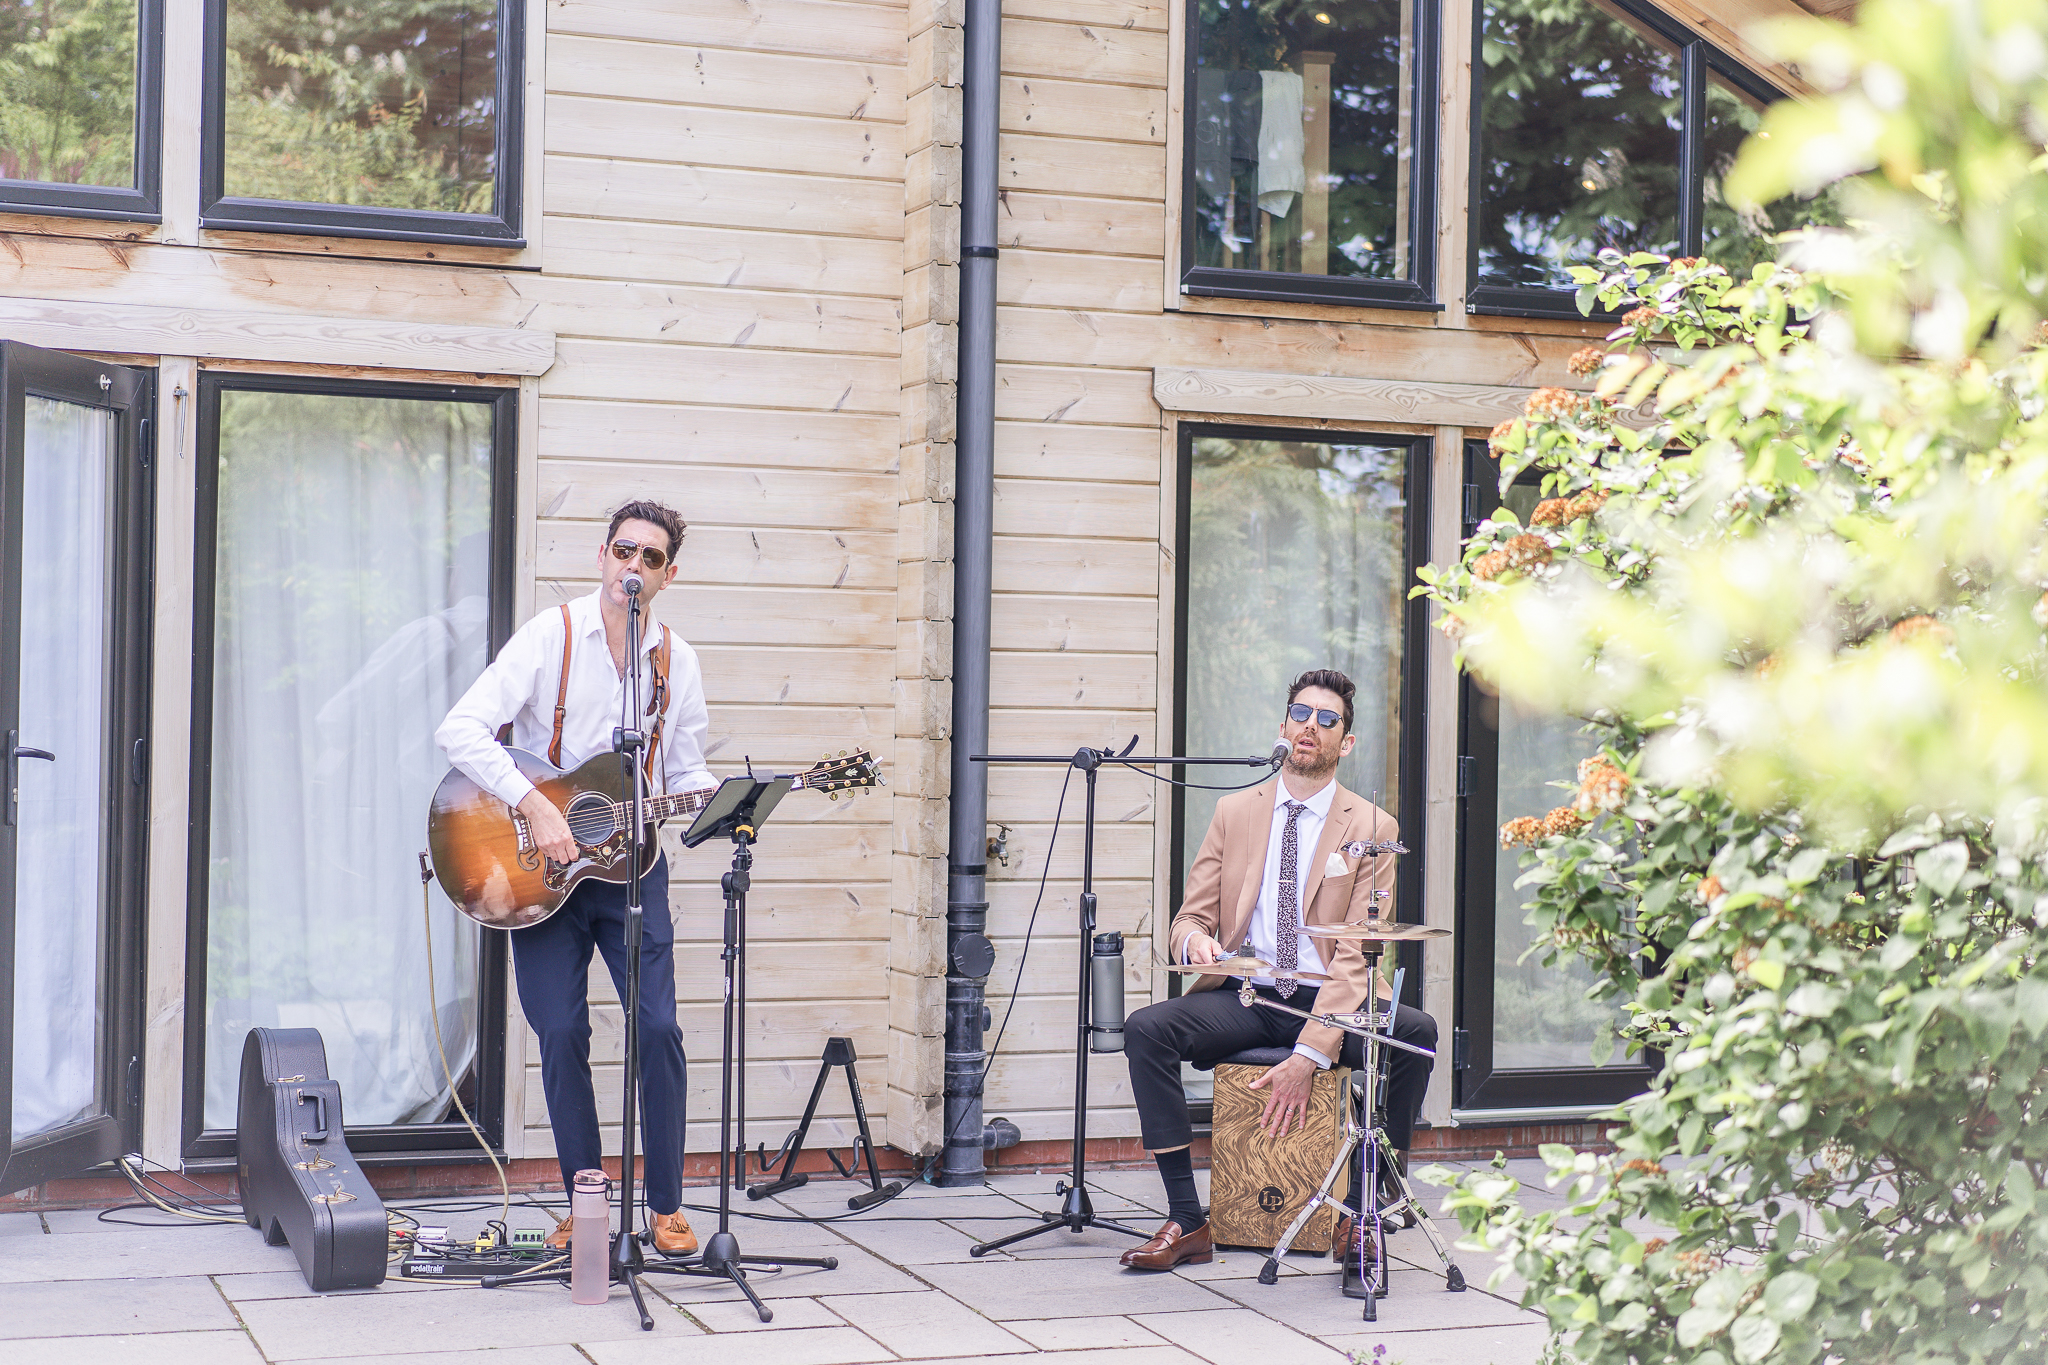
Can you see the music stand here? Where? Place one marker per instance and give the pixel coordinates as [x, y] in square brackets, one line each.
[736, 811]
[1077, 1211]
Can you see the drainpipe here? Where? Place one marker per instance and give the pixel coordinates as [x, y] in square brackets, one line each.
[969, 954]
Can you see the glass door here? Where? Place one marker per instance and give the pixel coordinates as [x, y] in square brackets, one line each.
[74, 609]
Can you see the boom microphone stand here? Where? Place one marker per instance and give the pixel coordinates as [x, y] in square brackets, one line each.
[1077, 1212]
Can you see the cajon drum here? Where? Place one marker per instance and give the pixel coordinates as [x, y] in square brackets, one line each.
[1257, 1183]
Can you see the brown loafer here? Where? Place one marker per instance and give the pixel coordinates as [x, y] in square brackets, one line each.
[672, 1235]
[1170, 1247]
[558, 1240]
[1340, 1237]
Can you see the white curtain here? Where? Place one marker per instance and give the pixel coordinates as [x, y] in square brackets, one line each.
[59, 917]
[350, 611]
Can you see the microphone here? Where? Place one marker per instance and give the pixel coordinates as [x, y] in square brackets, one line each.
[1281, 748]
[632, 584]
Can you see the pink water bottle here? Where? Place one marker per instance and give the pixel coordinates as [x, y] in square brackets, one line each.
[590, 1238]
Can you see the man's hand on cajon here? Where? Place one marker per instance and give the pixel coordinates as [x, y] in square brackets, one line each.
[1287, 1105]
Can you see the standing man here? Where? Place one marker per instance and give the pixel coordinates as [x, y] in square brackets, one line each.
[1272, 862]
[561, 682]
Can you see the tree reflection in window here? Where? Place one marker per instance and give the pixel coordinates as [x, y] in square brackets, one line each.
[368, 103]
[1733, 238]
[1303, 141]
[67, 91]
[1578, 149]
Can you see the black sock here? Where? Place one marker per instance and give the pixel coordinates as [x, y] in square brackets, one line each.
[1183, 1203]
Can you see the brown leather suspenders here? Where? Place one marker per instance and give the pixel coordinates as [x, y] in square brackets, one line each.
[657, 706]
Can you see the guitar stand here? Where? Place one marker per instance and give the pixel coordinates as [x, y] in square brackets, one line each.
[838, 1052]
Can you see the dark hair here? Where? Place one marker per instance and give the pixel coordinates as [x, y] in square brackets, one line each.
[1330, 680]
[653, 513]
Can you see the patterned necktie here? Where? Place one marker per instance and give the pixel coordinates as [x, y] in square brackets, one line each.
[1287, 933]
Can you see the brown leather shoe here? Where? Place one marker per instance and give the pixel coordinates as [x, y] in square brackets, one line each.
[1340, 1237]
[558, 1240]
[1170, 1247]
[672, 1235]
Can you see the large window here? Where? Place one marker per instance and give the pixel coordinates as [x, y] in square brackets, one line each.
[1527, 1033]
[1309, 169]
[1602, 124]
[373, 118]
[355, 544]
[1296, 552]
[80, 106]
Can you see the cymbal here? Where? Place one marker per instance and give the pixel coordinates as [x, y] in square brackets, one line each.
[1379, 931]
[1245, 967]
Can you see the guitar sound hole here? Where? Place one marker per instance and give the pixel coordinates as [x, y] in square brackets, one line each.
[591, 819]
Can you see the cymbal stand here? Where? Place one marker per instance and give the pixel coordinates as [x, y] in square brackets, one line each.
[1376, 1029]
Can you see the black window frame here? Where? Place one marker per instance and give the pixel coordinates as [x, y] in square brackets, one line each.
[1413, 804]
[1697, 58]
[1477, 1084]
[142, 201]
[499, 228]
[380, 1144]
[1417, 294]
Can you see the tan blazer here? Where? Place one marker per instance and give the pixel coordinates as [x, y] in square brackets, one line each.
[1223, 890]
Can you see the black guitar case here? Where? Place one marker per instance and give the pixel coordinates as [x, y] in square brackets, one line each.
[300, 1183]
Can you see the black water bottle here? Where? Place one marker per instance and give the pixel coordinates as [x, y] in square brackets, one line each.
[1106, 994]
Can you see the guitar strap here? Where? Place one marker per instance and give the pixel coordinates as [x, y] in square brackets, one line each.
[657, 706]
[562, 693]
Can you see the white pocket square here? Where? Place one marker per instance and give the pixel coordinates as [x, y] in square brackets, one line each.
[1336, 867]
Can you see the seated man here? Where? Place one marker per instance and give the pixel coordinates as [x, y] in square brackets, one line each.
[1265, 869]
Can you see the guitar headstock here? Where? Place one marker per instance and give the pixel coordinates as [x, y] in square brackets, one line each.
[847, 772]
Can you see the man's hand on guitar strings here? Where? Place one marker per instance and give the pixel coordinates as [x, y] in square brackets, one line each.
[550, 829]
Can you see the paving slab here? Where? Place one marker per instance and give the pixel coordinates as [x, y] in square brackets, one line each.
[806, 1346]
[1236, 1335]
[1418, 1302]
[1067, 1289]
[21, 1225]
[147, 1253]
[291, 1284]
[532, 1315]
[858, 1273]
[1245, 1265]
[1083, 1334]
[510, 1355]
[80, 1308]
[930, 1324]
[1454, 1346]
[152, 1348]
[910, 1242]
[1059, 1242]
[737, 1315]
[1127, 1355]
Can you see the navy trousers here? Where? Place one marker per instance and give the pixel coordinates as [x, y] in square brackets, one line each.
[551, 961]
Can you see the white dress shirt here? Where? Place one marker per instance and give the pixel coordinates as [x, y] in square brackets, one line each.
[521, 684]
[1263, 934]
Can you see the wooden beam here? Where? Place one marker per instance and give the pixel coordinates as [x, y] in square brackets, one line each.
[1257, 394]
[230, 334]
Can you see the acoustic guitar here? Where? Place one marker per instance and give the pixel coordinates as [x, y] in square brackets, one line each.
[485, 857]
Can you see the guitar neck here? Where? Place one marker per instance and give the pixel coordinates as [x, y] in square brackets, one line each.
[659, 808]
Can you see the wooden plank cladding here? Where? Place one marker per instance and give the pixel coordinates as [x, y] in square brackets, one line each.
[741, 295]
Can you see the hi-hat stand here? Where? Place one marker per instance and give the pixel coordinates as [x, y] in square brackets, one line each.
[1077, 1211]
[1368, 1231]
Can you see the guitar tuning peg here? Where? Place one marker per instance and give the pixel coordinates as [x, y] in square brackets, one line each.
[831, 796]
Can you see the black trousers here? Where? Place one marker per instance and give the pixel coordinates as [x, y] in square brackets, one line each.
[551, 961]
[1207, 1026]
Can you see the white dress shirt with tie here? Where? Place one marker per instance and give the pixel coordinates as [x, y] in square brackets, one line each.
[1262, 935]
[520, 686]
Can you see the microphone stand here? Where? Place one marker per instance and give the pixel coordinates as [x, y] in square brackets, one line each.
[628, 1261]
[1077, 1211]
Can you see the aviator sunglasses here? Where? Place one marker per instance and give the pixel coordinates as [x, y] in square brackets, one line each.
[654, 559]
[1301, 711]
